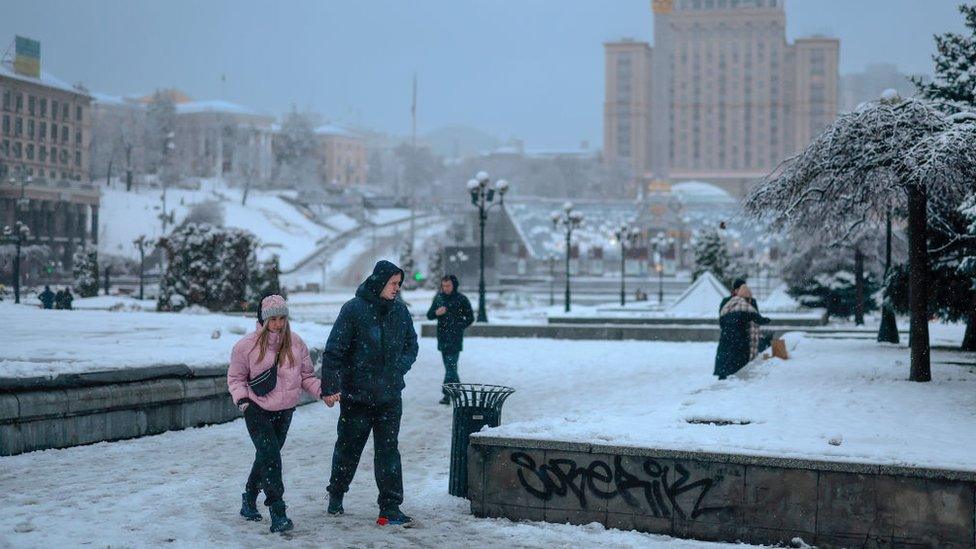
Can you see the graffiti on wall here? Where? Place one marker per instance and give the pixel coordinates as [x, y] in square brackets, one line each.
[657, 483]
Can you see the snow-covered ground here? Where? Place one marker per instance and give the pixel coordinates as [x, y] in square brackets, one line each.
[282, 228]
[834, 399]
[49, 342]
[184, 487]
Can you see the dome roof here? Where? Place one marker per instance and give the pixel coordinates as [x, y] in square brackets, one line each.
[700, 191]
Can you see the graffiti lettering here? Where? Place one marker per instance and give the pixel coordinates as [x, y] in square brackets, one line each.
[659, 486]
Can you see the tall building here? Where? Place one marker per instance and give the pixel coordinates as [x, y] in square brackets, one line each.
[44, 154]
[720, 97]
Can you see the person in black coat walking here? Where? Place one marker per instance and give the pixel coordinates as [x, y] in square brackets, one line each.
[453, 313]
[47, 298]
[739, 340]
[372, 345]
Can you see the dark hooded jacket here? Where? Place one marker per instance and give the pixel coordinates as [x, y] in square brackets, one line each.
[372, 344]
[47, 298]
[451, 325]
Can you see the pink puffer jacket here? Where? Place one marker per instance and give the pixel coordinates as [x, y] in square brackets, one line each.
[292, 378]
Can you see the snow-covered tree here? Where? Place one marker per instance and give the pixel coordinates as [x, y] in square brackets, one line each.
[408, 266]
[711, 254]
[907, 155]
[263, 280]
[295, 155]
[160, 137]
[207, 266]
[435, 267]
[85, 270]
[955, 64]
[837, 292]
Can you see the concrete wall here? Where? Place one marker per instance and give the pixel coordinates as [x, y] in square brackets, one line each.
[784, 321]
[42, 413]
[721, 497]
[582, 331]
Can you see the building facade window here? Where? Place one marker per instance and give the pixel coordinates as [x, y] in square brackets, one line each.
[30, 151]
[19, 102]
[6, 100]
[17, 149]
[78, 113]
[54, 110]
[19, 127]
[54, 132]
[31, 104]
[77, 159]
[30, 128]
[64, 111]
[77, 138]
[64, 134]
[43, 106]
[42, 130]
[42, 154]
[6, 124]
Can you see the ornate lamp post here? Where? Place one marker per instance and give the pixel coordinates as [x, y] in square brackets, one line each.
[627, 235]
[570, 220]
[19, 232]
[659, 242]
[16, 235]
[552, 279]
[482, 197]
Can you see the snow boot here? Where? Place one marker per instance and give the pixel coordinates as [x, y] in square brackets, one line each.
[445, 399]
[279, 521]
[394, 517]
[335, 505]
[249, 507]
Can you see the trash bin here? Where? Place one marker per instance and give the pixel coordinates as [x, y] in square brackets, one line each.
[475, 405]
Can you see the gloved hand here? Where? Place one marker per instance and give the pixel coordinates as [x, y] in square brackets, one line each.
[243, 403]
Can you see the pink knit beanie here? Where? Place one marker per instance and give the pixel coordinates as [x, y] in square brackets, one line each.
[273, 305]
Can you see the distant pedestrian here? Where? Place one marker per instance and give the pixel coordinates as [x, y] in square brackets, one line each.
[68, 299]
[47, 298]
[453, 313]
[371, 347]
[268, 370]
[739, 339]
[59, 300]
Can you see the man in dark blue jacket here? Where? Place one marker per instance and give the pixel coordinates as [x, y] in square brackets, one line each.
[453, 313]
[371, 346]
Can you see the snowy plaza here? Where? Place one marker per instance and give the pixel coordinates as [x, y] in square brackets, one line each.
[441, 274]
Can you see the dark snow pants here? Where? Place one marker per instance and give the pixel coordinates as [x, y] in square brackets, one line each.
[450, 368]
[268, 431]
[356, 420]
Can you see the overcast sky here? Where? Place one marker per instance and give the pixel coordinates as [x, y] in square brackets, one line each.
[531, 69]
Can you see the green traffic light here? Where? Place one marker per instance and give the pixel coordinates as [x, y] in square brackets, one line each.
[419, 276]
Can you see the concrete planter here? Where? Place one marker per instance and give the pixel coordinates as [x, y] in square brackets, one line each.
[721, 497]
[70, 410]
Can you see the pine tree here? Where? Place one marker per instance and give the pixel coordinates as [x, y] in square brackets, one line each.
[85, 269]
[263, 280]
[711, 254]
[407, 264]
[435, 267]
[955, 64]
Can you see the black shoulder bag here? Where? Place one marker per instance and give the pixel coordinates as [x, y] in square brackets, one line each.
[266, 381]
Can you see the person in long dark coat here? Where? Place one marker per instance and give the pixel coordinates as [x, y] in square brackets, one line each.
[59, 300]
[371, 347]
[738, 283]
[453, 313]
[47, 298]
[68, 298]
[739, 340]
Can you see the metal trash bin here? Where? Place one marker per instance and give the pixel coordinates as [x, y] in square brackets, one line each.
[475, 406]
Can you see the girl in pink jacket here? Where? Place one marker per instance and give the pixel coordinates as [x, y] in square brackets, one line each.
[268, 417]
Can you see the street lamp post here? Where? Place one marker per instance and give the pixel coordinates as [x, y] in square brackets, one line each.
[627, 235]
[16, 235]
[141, 243]
[19, 232]
[552, 280]
[482, 197]
[569, 220]
[659, 242]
